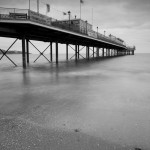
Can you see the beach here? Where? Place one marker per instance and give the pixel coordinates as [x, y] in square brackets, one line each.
[100, 104]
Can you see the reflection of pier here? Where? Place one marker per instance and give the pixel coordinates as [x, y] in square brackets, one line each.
[27, 25]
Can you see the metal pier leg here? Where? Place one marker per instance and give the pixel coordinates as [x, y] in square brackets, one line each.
[87, 52]
[79, 52]
[76, 49]
[133, 52]
[57, 52]
[41, 53]
[23, 53]
[4, 54]
[7, 57]
[51, 51]
[97, 52]
[102, 52]
[67, 51]
[27, 46]
[93, 52]
[106, 52]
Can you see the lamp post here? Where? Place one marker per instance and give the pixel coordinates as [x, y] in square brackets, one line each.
[69, 18]
[97, 32]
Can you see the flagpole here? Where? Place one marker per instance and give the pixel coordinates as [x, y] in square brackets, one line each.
[80, 9]
[29, 5]
[92, 16]
[38, 6]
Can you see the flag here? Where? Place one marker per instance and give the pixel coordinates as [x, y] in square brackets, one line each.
[64, 13]
[47, 8]
[81, 1]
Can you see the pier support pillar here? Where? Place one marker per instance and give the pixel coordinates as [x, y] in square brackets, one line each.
[117, 52]
[23, 53]
[106, 52]
[27, 47]
[93, 52]
[133, 52]
[102, 52]
[51, 51]
[88, 52]
[97, 52]
[67, 51]
[57, 52]
[76, 52]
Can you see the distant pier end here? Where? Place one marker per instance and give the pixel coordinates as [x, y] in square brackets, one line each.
[27, 25]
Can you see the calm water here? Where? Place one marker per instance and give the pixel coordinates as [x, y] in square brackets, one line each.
[107, 99]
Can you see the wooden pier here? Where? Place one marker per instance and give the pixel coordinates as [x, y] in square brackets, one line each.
[26, 25]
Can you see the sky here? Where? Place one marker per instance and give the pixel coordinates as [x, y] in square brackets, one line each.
[126, 19]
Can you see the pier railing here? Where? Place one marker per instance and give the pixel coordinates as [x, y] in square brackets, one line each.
[25, 14]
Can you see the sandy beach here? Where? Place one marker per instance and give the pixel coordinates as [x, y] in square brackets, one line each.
[21, 134]
[96, 105]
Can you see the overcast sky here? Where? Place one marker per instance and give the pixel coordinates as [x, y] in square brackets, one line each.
[127, 19]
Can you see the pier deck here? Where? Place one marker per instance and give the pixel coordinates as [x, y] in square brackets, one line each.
[32, 26]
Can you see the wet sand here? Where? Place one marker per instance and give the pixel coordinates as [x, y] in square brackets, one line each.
[21, 134]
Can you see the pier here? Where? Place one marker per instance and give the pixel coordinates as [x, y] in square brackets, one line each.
[27, 25]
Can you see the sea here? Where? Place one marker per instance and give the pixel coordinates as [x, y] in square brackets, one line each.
[105, 98]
